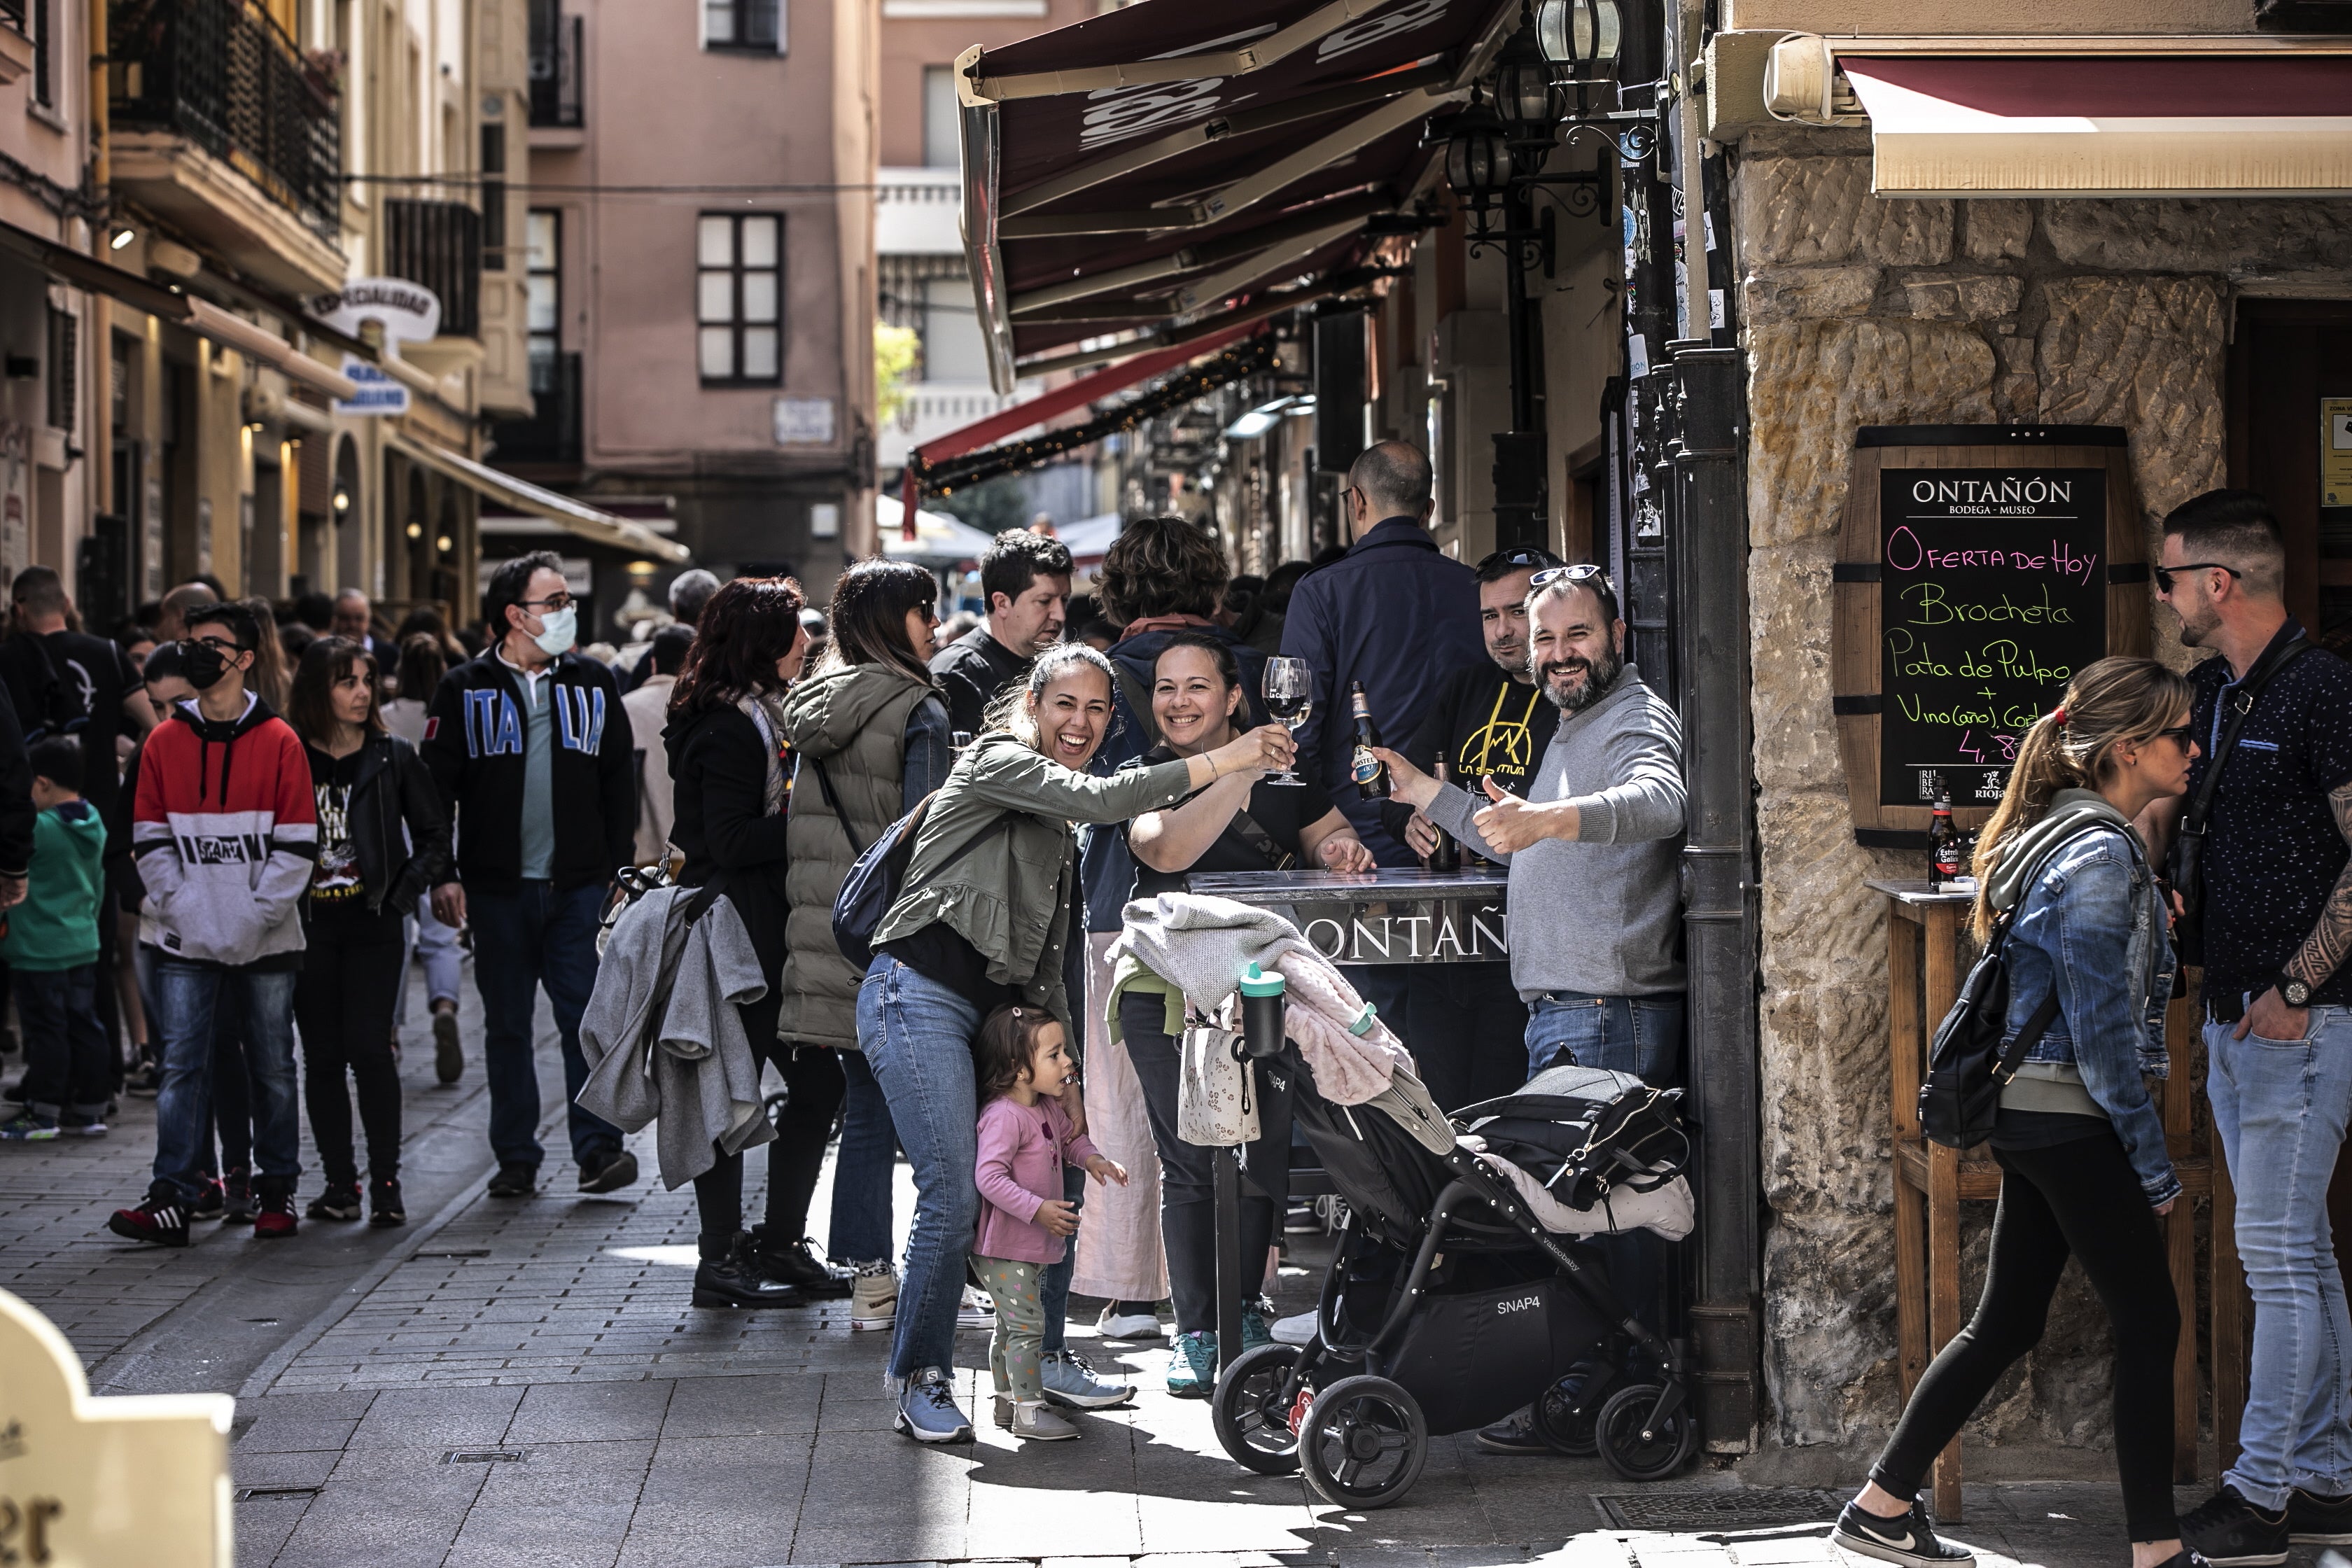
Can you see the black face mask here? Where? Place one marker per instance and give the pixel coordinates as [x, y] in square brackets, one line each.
[202, 665]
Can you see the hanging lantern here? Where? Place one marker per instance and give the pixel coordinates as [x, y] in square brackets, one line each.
[1477, 156]
[1526, 97]
[1580, 35]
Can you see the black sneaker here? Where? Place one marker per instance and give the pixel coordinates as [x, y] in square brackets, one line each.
[158, 1221]
[2316, 1521]
[210, 1203]
[1909, 1539]
[514, 1182]
[339, 1201]
[795, 1263]
[609, 1173]
[1514, 1435]
[384, 1203]
[238, 1204]
[2230, 1532]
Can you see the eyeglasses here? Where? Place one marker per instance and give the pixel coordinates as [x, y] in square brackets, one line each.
[1577, 573]
[1519, 555]
[2164, 574]
[220, 645]
[557, 602]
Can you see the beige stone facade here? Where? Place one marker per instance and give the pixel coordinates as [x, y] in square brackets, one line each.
[1861, 311]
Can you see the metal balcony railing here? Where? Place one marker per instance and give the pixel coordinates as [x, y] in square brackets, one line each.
[439, 244]
[551, 435]
[13, 12]
[226, 76]
[555, 68]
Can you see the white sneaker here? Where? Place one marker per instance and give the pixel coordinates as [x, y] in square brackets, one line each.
[1297, 1330]
[1116, 1325]
[977, 1311]
[874, 1301]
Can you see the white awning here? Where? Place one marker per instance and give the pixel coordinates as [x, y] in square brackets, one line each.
[587, 522]
[2181, 117]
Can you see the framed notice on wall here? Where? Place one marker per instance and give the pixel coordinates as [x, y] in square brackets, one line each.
[1980, 567]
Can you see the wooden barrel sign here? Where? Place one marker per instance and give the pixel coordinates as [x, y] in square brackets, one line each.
[1978, 567]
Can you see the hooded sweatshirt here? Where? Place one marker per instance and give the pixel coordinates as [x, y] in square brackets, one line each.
[881, 737]
[226, 829]
[57, 925]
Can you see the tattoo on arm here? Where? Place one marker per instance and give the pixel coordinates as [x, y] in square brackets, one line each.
[2330, 941]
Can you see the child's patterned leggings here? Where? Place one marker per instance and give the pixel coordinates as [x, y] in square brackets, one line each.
[1020, 1326]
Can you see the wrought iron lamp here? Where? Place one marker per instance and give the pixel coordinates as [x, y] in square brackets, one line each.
[1478, 162]
[1580, 37]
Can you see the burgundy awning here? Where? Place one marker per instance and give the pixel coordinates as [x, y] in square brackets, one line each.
[1163, 161]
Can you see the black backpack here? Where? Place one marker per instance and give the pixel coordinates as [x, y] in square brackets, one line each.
[1584, 1132]
[873, 882]
[1966, 1067]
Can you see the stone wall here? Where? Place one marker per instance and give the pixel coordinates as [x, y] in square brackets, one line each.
[1863, 312]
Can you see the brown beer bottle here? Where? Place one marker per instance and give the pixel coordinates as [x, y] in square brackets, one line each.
[1447, 856]
[1943, 845]
[1372, 773]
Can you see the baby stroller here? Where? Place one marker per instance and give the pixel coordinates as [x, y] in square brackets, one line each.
[1448, 1305]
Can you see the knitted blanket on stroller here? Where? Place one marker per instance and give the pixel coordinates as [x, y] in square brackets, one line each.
[1203, 946]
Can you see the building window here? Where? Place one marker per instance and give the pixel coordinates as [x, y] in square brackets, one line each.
[753, 24]
[65, 357]
[953, 349]
[494, 198]
[45, 90]
[941, 149]
[543, 294]
[738, 279]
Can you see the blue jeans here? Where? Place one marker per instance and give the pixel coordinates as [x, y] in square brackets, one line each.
[864, 1172]
[187, 995]
[916, 1035]
[65, 1063]
[1639, 1034]
[2279, 1108]
[523, 940]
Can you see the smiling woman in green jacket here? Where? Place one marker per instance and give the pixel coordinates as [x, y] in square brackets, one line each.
[984, 917]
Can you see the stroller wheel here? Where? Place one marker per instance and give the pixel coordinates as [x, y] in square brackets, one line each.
[1252, 1410]
[1638, 1448]
[1566, 1419]
[1363, 1443]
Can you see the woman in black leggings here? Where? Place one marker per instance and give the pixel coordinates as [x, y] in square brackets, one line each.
[728, 761]
[2081, 1148]
[382, 841]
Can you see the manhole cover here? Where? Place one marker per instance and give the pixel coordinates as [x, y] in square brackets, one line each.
[455, 1252]
[1730, 1508]
[482, 1457]
[247, 1494]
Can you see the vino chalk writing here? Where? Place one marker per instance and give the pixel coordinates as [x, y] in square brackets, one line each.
[1993, 591]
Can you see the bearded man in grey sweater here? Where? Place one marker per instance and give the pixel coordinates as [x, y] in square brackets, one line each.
[1595, 907]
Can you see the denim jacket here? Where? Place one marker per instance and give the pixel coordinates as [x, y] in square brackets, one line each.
[2094, 903]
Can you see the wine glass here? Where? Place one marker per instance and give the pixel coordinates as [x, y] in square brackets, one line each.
[1290, 697]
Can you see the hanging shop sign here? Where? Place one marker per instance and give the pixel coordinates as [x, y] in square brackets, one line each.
[378, 393]
[408, 312]
[1980, 566]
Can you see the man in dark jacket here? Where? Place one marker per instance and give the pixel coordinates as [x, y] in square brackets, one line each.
[530, 748]
[1026, 579]
[1393, 614]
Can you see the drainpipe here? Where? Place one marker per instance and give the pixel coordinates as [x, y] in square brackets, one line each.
[1707, 538]
[101, 162]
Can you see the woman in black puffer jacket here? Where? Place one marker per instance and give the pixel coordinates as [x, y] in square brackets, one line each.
[733, 778]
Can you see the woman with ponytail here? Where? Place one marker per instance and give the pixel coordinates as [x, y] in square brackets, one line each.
[2084, 1168]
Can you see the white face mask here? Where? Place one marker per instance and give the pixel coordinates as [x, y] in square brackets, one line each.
[562, 628]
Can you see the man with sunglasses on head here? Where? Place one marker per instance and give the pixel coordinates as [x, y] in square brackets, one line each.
[2275, 919]
[225, 834]
[1464, 1021]
[531, 750]
[1593, 849]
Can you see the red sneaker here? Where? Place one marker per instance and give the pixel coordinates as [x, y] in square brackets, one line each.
[274, 1217]
[163, 1223]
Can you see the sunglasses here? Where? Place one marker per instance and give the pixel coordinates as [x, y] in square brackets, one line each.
[2164, 575]
[1578, 574]
[2180, 735]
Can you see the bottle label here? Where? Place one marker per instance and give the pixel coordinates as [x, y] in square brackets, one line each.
[1366, 767]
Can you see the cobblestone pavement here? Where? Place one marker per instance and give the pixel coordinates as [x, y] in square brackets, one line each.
[508, 1383]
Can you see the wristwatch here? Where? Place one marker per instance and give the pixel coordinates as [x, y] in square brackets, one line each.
[2294, 993]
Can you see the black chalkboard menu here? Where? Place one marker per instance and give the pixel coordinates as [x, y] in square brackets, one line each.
[1992, 592]
[1978, 567]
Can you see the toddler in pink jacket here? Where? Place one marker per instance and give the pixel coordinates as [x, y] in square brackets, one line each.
[1025, 1139]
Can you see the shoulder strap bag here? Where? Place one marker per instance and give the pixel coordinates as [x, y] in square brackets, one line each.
[1138, 702]
[2185, 867]
[1247, 829]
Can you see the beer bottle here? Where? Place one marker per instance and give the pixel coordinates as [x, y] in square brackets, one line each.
[1943, 845]
[1371, 774]
[1447, 856]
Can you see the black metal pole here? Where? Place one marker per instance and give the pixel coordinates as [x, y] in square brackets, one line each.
[1230, 1284]
[1709, 544]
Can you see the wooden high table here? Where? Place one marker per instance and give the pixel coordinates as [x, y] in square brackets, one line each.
[1373, 917]
[1928, 951]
